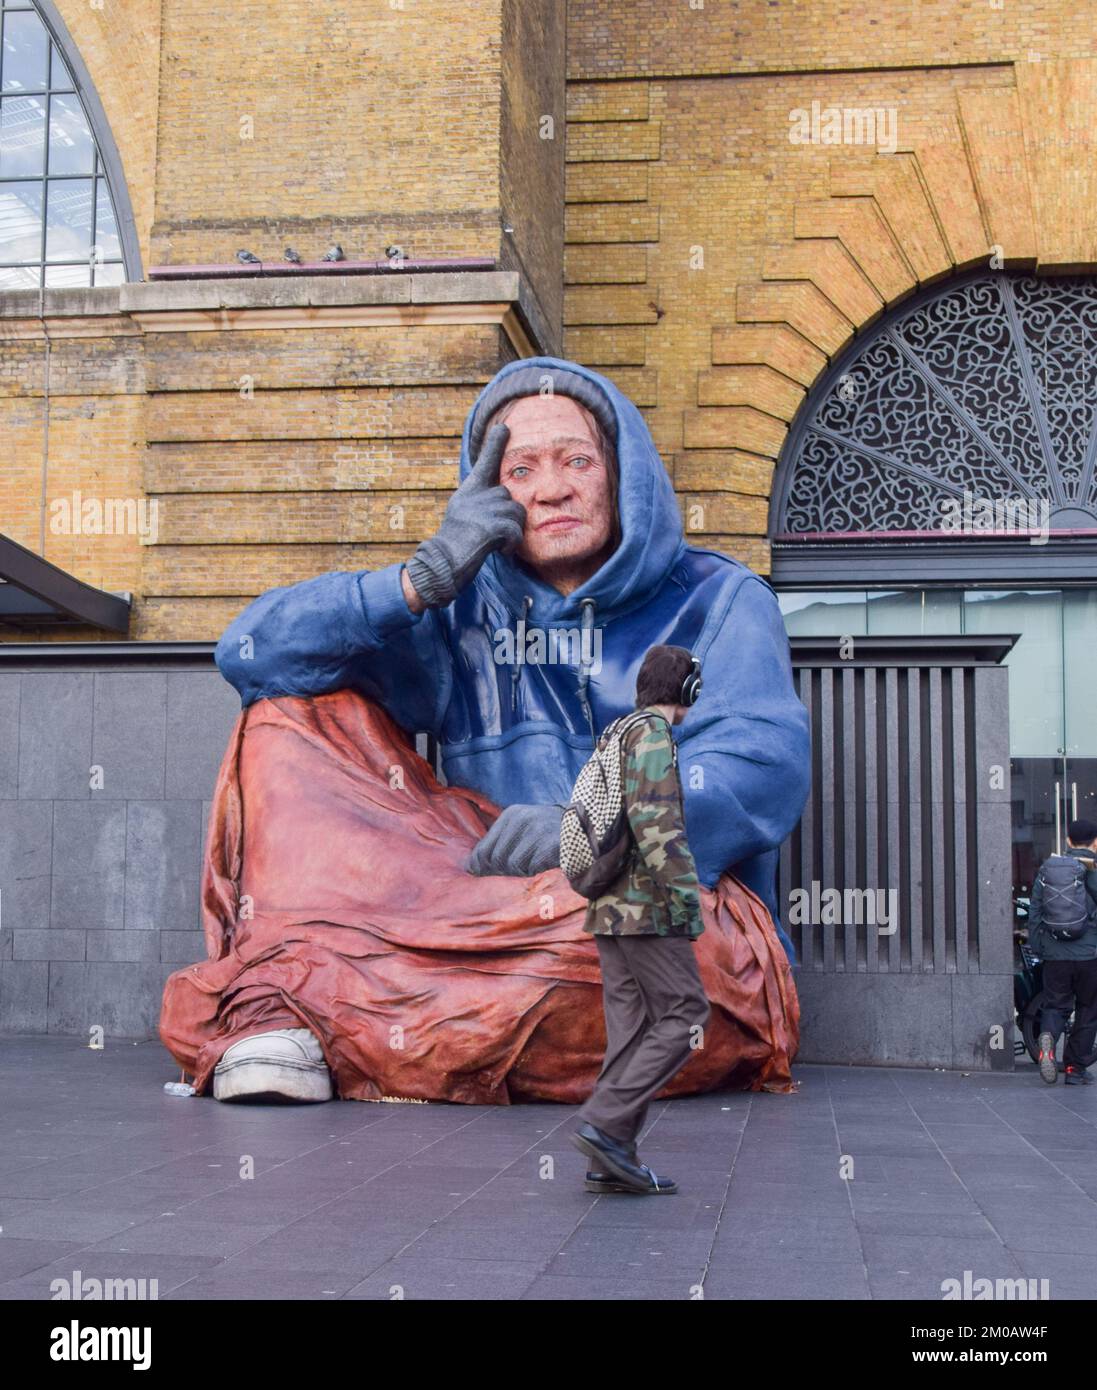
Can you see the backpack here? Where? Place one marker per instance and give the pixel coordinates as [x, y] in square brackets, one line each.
[1067, 913]
[595, 839]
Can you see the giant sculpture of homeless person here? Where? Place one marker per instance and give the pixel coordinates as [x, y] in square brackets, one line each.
[372, 928]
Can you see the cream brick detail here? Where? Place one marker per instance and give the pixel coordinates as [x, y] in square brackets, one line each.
[605, 265]
[776, 345]
[992, 129]
[760, 387]
[738, 427]
[831, 269]
[801, 306]
[722, 470]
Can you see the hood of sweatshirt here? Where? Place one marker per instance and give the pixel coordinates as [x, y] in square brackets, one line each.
[651, 523]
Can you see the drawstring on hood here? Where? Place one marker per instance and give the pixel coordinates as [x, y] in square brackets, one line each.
[519, 650]
[585, 645]
[586, 656]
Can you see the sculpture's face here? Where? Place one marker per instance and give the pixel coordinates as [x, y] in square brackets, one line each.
[554, 466]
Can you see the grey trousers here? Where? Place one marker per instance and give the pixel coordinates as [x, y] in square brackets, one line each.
[653, 1001]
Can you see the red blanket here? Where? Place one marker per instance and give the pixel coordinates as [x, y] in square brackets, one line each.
[334, 898]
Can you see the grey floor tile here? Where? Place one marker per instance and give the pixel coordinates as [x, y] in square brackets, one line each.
[229, 1282]
[168, 1270]
[184, 1235]
[19, 1256]
[553, 1287]
[791, 1278]
[452, 1278]
[888, 1253]
[447, 1202]
[1068, 1276]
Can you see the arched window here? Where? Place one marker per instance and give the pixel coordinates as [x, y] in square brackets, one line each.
[947, 438]
[64, 216]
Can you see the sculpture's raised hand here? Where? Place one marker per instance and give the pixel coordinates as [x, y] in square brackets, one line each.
[524, 840]
[481, 517]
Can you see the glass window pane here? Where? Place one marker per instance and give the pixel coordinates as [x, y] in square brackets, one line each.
[60, 80]
[22, 136]
[45, 134]
[1080, 651]
[815, 614]
[20, 222]
[72, 150]
[1035, 663]
[25, 52]
[919, 612]
[106, 229]
[19, 278]
[68, 220]
[67, 277]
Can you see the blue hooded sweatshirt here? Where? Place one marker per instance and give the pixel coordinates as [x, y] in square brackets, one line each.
[519, 730]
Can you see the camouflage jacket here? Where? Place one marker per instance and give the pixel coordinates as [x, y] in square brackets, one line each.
[657, 893]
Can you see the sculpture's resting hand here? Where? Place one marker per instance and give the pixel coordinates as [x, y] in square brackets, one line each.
[524, 840]
[481, 517]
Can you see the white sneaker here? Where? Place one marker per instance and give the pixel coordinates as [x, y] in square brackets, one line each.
[285, 1064]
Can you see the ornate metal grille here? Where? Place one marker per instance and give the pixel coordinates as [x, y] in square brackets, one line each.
[985, 387]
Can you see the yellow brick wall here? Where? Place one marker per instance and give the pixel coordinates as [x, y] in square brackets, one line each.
[688, 249]
[533, 130]
[610, 39]
[119, 43]
[270, 455]
[414, 122]
[727, 265]
[339, 98]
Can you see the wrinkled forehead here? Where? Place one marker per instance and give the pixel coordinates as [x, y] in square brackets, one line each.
[559, 419]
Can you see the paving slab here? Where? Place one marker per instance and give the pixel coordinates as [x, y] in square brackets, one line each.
[869, 1183]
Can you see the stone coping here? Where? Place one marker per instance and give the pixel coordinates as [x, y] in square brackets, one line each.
[278, 292]
[428, 297]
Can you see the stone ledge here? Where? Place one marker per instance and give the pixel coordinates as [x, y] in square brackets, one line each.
[277, 293]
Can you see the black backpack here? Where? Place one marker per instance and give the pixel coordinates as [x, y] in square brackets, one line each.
[1067, 910]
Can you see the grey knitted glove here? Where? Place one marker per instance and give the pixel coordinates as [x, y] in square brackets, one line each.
[481, 517]
[524, 840]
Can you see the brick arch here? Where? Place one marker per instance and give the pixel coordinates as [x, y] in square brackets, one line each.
[978, 185]
[964, 183]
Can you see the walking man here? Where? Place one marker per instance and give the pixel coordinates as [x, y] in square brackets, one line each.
[645, 926]
[1063, 932]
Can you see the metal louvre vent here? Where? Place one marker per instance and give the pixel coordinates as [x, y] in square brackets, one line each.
[885, 870]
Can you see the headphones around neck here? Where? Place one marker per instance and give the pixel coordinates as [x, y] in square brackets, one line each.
[691, 686]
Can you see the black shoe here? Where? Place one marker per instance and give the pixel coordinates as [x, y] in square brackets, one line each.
[605, 1182]
[598, 1180]
[1049, 1070]
[1076, 1076]
[619, 1159]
